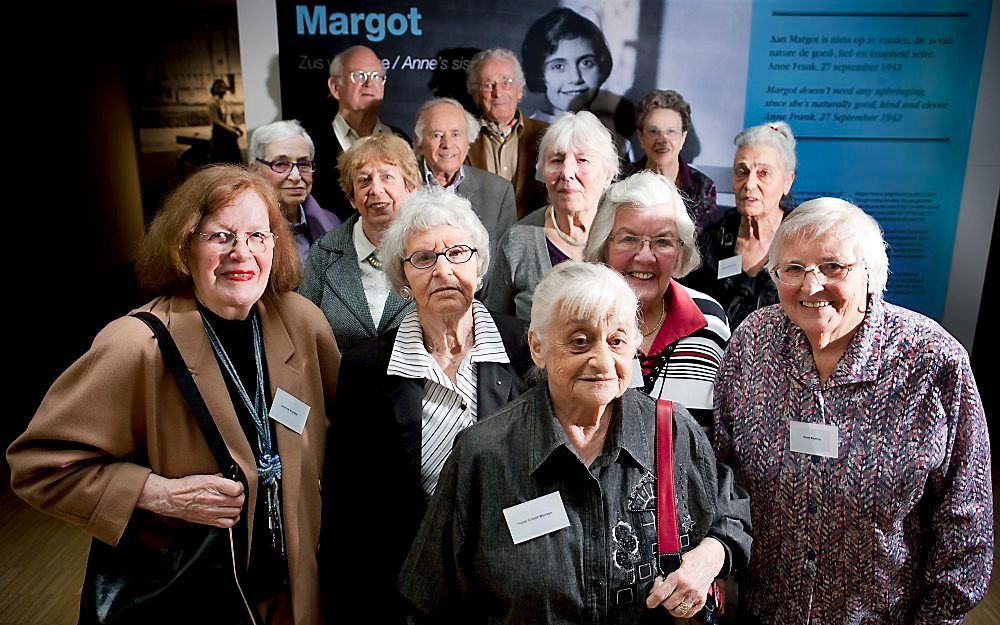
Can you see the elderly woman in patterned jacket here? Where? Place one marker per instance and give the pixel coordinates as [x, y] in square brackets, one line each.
[684, 332]
[579, 448]
[857, 428]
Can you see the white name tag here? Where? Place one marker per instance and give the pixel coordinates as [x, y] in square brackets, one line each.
[730, 266]
[820, 439]
[636, 381]
[535, 518]
[289, 411]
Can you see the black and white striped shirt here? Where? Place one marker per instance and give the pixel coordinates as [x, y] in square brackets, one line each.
[447, 407]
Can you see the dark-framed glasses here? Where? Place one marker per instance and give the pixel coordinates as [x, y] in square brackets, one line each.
[633, 243]
[794, 274]
[258, 242]
[284, 167]
[504, 85]
[456, 255]
[360, 77]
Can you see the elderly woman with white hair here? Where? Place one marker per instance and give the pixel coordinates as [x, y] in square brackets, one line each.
[406, 394]
[858, 430]
[547, 511]
[283, 153]
[643, 230]
[734, 248]
[578, 161]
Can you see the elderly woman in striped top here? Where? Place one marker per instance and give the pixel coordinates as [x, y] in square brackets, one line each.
[643, 230]
[407, 393]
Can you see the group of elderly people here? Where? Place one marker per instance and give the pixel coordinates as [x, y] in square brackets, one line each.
[848, 429]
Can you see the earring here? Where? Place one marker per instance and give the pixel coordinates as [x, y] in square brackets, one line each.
[406, 292]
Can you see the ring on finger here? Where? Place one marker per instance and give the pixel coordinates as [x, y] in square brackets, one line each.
[684, 607]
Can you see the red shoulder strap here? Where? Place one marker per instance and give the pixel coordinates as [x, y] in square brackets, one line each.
[668, 542]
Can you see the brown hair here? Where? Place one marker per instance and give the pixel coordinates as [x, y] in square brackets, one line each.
[386, 148]
[162, 261]
[663, 99]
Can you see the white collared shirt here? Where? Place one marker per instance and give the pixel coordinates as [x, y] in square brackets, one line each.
[373, 280]
[447, 407]
[348, 136]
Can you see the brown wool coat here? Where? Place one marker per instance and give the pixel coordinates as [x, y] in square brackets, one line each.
[529, 193]
[119, 401]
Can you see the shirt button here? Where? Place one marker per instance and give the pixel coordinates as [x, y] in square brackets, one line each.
[598, 586]
[464, 406]
[595, 534]
[810, 555]
[499, 383]
[812, 508]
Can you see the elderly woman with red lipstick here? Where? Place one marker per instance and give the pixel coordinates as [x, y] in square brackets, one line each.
[343, 272]
[857, 429]
[409, 392]
[115, 449]
[734, 248]
[577, 160]
[283, 153]
[643, 230]
[663, 120]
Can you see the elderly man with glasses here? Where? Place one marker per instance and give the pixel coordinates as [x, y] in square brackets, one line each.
[357, 82]
[283, 153]
[507, 144]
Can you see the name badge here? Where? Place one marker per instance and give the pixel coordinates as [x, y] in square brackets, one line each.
[535, 518]
[289, 411]
[636, 381]
[730, 266]
[819, 439]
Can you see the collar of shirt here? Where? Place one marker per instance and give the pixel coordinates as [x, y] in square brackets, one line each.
[362, 245]
[861, 359]
[684, 178]
[432, 182]
[502, 131]
[347, 135]
[300, 219]
[682, 318]
[626, 433]
[410, 359]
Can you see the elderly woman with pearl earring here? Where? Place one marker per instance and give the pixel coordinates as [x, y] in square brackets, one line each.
[409, 392]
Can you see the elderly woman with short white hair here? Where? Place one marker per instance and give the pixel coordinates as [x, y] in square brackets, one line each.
[643, 230]
[857, 428]
[283, 153]
[578, 161]
[547, 511]
[407, 393]
[734, 248]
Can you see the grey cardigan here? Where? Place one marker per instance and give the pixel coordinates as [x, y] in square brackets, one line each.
[521, 261]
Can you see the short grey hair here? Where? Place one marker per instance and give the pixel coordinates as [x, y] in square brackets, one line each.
[830, 217]
[579, 290]
[424, 210]
[778, 135]
[276, 131]
[646, 192]
[471, 78]
[471, 125]
[337, 62]
[573, 132]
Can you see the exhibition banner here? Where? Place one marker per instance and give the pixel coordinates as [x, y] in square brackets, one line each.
[879, 94]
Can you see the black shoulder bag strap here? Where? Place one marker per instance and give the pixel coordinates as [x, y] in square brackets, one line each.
[192, 396]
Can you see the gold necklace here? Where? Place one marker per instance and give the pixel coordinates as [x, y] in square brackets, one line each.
[663, 315]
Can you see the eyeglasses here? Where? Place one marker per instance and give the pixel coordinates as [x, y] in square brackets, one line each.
[794, 274]
[658, 245]
[669, 133]
[360, 77]
[456, 255]
[504, 85]
[224, 241]
[284, 167]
